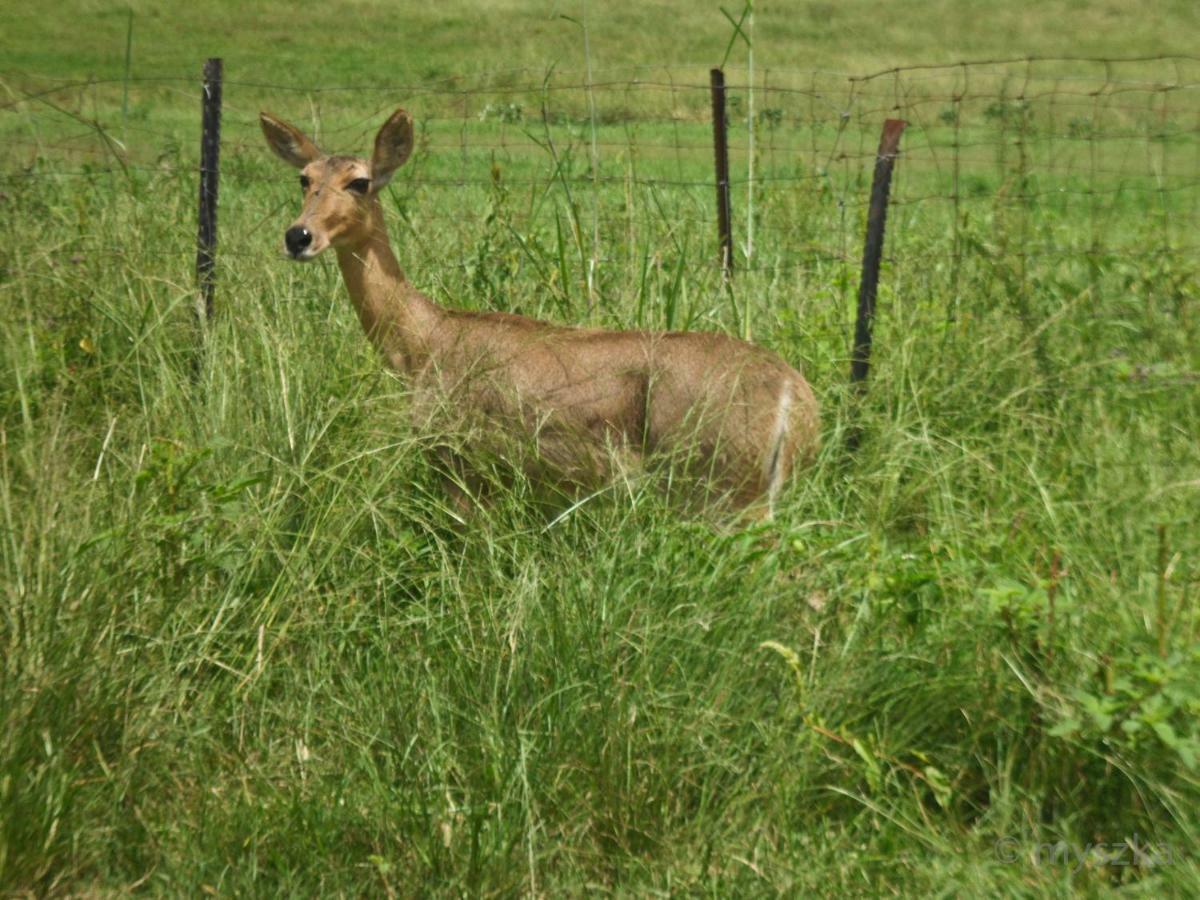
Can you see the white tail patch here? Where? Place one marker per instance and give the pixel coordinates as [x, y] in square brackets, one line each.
[775, 469]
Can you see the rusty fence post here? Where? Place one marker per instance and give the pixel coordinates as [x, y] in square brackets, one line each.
[860, 359]
[210, 164]
[721, 154]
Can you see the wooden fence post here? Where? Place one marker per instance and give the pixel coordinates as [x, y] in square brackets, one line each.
[721, 154]
[860, 358]
[210, 166]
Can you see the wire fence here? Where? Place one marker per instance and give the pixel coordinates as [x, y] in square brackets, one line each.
[1017, 172]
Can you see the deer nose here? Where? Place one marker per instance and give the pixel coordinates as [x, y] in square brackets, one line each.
[297, 239]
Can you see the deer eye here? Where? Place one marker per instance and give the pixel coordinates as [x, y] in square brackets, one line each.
[304, 182]
[359, 185]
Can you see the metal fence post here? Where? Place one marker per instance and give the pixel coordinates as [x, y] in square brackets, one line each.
[885, 160]
[210, 163]
[721, 154]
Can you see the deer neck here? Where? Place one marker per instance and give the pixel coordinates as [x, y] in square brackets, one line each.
[396, 317]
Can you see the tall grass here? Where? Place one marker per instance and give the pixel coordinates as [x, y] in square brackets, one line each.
[246, 648]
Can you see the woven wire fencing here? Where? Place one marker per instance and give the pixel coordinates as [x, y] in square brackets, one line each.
[1022, 184]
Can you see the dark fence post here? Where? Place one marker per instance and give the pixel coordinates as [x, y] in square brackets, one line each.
[721, 152]
[885, 160]
[210, 165]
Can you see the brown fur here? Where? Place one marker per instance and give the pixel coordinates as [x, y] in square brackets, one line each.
[587, 403]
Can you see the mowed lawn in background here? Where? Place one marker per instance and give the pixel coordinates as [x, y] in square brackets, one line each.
[246, 649]
[400, 42]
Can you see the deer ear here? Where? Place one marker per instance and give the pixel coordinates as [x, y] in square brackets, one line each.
[288, 142]
[393, 145]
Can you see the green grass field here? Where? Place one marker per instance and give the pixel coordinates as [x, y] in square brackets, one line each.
[244, 647]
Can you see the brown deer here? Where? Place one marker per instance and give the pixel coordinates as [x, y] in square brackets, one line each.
[570, 407]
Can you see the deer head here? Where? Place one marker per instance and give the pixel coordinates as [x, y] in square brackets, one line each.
[341, 193]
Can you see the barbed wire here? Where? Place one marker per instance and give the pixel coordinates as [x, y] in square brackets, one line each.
[908, 70]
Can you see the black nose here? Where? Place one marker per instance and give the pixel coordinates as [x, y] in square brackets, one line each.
[297, 238]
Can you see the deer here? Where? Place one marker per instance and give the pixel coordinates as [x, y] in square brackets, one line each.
[571, 408]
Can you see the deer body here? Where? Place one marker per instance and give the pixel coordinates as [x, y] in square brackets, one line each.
[586, 403]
